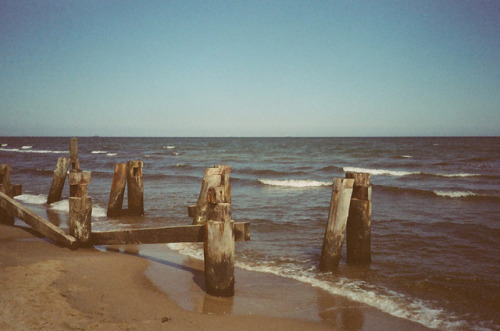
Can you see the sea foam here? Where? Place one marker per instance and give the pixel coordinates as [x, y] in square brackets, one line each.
[455, 194]
[32, 199]
[380, 171]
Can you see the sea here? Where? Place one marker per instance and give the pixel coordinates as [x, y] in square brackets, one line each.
[435, 231]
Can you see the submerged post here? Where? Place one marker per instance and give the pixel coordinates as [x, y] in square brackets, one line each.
[218, 251]
[6, 187]
[335, 228]
[359, 221]
[57, 185]
[80, 225]
[117, 190]
[135, 191]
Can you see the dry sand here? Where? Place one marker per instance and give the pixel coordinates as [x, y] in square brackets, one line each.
[46, 287]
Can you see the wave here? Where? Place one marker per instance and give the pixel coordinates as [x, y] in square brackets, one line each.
[28, 149]
[390, 302]
[4, 145]
[32, 199]
[294, 183]
[168, 147]
[99, 152]
[399, 173]
[436, 193]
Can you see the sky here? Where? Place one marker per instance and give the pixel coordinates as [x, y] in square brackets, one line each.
[250, 68]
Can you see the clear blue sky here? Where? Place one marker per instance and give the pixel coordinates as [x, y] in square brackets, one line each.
[250, 68]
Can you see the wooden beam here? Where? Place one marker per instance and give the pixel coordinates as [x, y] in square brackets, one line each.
[173, 234]
[37, 222]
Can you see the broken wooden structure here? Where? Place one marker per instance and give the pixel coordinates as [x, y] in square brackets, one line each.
[349, 218]
[214, 226]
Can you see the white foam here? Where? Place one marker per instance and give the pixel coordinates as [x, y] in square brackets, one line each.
[29, 150]
[98, 211]
[112, 154]
[99, 152]
[294, 183]
[169, 147]
[458, 175]
[380, 171]
[455, 194]
[60, 206]
[3, 145]
[26, 147]
[39, 199]
[406, 156]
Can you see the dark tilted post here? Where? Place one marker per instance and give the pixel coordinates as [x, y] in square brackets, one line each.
[135, 191]
[359, 221]
[59, 178]
[219, 251]
[80, 225]
[335, 228]
[6, 187]
[117, 192]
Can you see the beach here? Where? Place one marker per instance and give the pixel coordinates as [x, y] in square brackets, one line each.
[43, 286]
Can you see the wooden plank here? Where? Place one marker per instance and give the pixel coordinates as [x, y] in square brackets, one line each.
[173, 234]
[57, 185]
[37, 222]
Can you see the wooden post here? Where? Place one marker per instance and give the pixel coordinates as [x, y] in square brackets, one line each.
[117, 192]
[80, 212]
[218, 251]
[59, 178]
[215, 177]
[6, 187]
[135, 191]
[73, 154]
[337, 218]
[78, 182]
[359, 221]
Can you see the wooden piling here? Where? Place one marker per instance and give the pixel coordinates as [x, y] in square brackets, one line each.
[135, 190]
[218, 179]
[78, 182]
[73, 154]
[57, 185]
[218, 251]
[80, 212]
[117, 192]
[358, 232]
[335, 228]
[5, 187]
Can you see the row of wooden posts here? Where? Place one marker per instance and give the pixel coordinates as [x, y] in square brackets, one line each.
[350, 212]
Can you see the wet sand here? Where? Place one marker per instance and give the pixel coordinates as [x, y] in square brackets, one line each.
[43, 286]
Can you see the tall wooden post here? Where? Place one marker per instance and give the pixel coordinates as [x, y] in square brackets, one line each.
[135, 191]
[335, 228]
[6, 187]
[73, 153]
[117, 192]
[80, 225]
[219, 251]
[359, 221]
[78, 182]
[59, 178]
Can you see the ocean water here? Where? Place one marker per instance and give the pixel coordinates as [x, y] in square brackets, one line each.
[435, 212]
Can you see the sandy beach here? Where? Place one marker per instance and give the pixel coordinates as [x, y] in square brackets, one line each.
[43, 286]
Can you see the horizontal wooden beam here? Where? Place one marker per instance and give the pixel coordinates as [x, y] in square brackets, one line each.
[173, 234]
[37, 222]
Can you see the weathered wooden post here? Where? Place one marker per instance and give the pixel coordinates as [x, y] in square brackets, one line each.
[78, 183]
[73, 153]
[135, 190]
[218, 176]
[359, 221]
[80, 217]
[6, 187]
[117, 192]
[59, 178]
[335, 228]
[219, 251]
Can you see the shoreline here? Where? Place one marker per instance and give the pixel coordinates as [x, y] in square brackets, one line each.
[43, 286]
